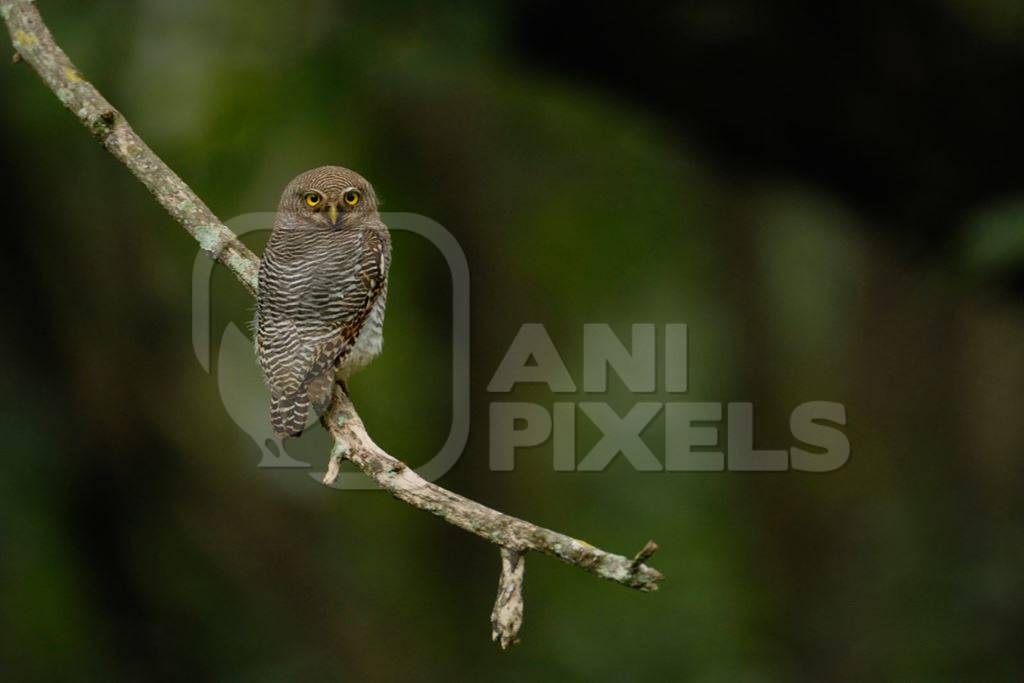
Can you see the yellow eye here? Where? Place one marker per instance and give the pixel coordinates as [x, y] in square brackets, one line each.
[351, 197]
[312, 199]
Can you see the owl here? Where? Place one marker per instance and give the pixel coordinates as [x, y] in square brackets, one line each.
[323, 286]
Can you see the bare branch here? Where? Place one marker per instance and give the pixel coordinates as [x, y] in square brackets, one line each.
[353, 443]
[35, 45]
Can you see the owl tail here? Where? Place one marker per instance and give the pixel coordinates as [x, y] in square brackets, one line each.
[288, 413]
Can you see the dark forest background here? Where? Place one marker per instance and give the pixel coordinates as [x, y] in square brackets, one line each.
[830, 195]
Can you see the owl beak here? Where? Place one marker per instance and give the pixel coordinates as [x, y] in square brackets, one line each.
[332, 213]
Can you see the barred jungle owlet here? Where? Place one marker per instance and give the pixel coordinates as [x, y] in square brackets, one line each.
[322, 289]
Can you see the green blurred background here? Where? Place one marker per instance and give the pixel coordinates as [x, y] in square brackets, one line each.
[831, 197]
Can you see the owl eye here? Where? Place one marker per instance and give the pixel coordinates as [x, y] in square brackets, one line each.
[351, 197]
[312, 199]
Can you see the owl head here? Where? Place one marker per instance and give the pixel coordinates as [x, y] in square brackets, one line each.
[330, 197]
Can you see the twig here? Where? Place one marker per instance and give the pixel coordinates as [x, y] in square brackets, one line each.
[36, 46]
[645, 553]
[507, 615]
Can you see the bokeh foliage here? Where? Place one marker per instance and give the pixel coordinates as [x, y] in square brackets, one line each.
[822, 232]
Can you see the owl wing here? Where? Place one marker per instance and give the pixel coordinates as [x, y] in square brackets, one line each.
[306, 328]
[343, 295]
[311, 310]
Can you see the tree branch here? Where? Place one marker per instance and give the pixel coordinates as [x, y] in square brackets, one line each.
[351, 442]
[36, 46]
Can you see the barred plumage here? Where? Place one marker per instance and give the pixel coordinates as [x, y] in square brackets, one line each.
[322, 291]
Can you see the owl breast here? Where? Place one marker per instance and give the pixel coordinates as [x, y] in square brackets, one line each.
[369, 341]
